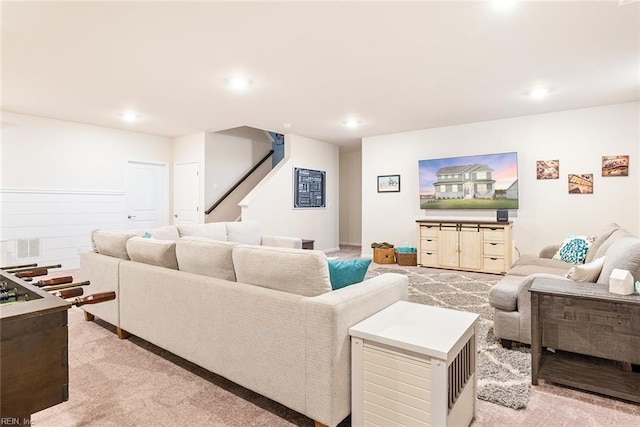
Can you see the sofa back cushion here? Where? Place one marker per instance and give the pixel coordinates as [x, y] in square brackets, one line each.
[618, 234]
[246, 232]
[112, 243]
[624, 254]
[296, 271]
[168, 232]
[212, 230]
[153, 251]
[609, 229]
[206, 257]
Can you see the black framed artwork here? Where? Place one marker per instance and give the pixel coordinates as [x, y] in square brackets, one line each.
[388, 183]
[309, 188]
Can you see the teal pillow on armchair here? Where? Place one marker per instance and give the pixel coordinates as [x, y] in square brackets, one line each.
[345, 272]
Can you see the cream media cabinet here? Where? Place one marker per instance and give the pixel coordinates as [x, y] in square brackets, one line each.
[483, 246]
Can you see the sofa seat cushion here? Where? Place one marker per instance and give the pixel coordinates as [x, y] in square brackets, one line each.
[245, 232]
[623, 254]
[153, 251]
[296, 271]
[529, 264]
[112, 243]
[212, 230]
[504, 294]
[206, 257]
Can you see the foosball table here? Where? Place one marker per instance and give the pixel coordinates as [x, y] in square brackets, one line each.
[34, 370]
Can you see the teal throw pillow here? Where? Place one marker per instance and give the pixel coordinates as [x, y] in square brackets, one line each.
[574, 249]
[345, 272]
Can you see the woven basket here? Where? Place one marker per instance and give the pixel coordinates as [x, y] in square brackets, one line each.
[384, 256]
[409, 259]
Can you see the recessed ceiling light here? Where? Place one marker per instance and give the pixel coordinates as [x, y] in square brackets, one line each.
[503, 4]
[539, 92]
[238, 83]
[351, 123]
[286, 125]
[130, 116]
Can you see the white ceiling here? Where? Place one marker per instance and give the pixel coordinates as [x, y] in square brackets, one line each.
[393, 66]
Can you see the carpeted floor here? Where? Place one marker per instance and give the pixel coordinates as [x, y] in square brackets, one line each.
[133, 383]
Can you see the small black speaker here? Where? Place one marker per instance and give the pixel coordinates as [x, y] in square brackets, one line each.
[502, 215]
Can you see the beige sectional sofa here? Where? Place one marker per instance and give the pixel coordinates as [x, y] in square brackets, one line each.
[264, 317]
[613, 247]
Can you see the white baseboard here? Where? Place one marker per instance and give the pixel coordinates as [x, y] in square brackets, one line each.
[330, 250]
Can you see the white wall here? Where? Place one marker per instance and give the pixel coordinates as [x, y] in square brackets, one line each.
[350, 197]
[271, 202]
[229, 155]
[62, 179]
[54, 154]
[547, 213]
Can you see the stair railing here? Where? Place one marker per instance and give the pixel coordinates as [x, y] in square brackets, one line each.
[240, 181]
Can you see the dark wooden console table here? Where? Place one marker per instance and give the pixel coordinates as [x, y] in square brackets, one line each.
[585, 319]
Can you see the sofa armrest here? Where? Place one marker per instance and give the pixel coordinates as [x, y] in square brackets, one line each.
[524, 297]
[549, 251]
[328, 350]
[103, 272]
[281, 242]
[524, 303]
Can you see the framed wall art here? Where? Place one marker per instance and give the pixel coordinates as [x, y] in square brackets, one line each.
[309, 188]
[581, 184]
[547, 169]
[484, 181]
[615, 165]
[388, 183]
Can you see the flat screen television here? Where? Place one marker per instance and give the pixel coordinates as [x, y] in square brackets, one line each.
[487, 181]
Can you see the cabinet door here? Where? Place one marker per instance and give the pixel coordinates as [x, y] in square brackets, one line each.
[449, 247]
[470, 248]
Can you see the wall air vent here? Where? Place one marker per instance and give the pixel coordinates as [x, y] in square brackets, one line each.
[28, 248]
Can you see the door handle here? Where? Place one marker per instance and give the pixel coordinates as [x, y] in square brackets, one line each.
[175, 215]
[131, 216]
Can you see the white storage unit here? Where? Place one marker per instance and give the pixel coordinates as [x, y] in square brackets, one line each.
[414, 365]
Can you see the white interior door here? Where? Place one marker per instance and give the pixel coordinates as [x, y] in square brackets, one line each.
[147, 195]
[186, 193]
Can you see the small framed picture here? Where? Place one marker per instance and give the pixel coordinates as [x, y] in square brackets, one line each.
[615, 165]
[548, 169]
[581, 183]
[388, 183]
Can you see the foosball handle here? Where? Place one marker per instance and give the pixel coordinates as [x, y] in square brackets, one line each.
[56, 281]
[69, 293]
[94, 298]
[32, 273]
